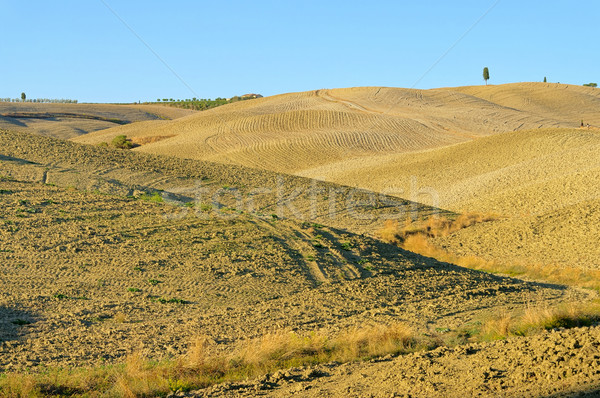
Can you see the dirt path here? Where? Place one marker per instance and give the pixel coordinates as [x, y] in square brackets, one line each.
[326, 95]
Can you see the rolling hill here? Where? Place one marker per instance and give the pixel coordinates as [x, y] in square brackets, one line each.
[35, 158]
[296, 132]
[515, 150]
[542, 183]
[531, 171]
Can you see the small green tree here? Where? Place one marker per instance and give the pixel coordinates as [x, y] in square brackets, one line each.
[486, 74]
[23, 97]
[591, 84]
[545, 81]
[121, 142]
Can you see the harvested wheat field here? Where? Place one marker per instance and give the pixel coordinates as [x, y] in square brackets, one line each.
[296, 132]
[344, 242]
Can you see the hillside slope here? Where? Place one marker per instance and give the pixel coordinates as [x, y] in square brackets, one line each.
[295, 132]
[199, 184]
[71, 120]
[92, 271]
[533, 367]
[532, 171]
[92, 275]
[543, 183]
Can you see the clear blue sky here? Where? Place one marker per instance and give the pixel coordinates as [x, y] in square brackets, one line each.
[79, 49]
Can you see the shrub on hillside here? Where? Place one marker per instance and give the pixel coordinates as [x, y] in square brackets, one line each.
[121, 142]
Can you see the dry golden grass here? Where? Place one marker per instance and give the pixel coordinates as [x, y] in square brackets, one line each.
[389, 232]
[372, 341]
[19, 385]
[433, 227]
[198, 354]
[537, 318]
[203, 365]
[499, 326]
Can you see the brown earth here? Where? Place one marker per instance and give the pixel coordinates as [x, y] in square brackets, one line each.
[512, 173]
[565, 237]
[41, 159]
[88, 278]
[543, 183]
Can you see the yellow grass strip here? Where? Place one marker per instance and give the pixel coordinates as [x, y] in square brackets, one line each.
[540, 317]
[204, 365]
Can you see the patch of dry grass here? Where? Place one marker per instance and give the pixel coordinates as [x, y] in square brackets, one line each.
[204, 365]
[373, 341]
[433, 227]
[416, 237]
[389, 231]
[150, 139]
[537, 318]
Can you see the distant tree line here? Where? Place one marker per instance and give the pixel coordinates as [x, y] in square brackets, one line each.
[41, 100]
[202, 104]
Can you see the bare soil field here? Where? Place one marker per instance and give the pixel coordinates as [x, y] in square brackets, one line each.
[564, 237]
[89, 278]
[35, 158]
[531, 171]
[71, 120]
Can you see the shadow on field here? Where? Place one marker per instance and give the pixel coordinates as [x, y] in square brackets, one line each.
[424, 262]
[18, 161]
[12, 121]
[578, 392]
[421, 262]
[14, 323]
